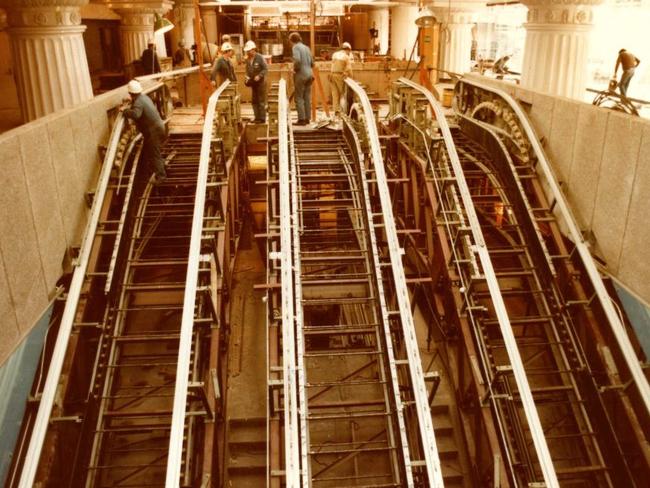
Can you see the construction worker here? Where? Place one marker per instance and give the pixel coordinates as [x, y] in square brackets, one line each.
[628, 63]
[182, 58]
[303, 77]
[256, 71]
[142, 110]
[341, 69]
[149, 59]
[223, 69]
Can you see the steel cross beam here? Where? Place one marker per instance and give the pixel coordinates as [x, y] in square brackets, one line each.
[431, 457]
[291, 426]
[613, 318]
[175, 454]
[532, 416]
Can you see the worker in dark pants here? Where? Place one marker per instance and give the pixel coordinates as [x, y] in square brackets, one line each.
[149, 60]
[303, 77]
[148, 121]
[256, 71]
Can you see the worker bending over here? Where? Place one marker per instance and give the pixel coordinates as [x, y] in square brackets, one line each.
[256, 71]
[628, 63]
[341, 69]
[148, 121]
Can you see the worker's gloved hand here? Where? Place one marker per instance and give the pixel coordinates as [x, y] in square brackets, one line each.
[257, 78]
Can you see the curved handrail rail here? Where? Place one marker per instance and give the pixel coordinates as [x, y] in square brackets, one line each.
[562, 206]
[33, 455]
[175, 454]
[537, 433]
[430, 450]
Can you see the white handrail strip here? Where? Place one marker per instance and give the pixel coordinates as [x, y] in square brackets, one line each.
[299, 322]
[291, 427]
[175, 454]
[561, 204]
[532, 416]
[432, 459]
[172, 73]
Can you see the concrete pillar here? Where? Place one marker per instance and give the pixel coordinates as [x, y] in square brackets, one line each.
[49, 55]
[136, 30]
[455, 38]
[209, 17]
[557, 45]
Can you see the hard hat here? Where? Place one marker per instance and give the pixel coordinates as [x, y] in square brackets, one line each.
[134, 87]
[226, 47]
[250, 45]
[346, 45]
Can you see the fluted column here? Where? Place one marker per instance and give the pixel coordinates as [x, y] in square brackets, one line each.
[557, 45]
[186, 9]
[455, 38]
[136, 31]
[49, 55]
[209, 17]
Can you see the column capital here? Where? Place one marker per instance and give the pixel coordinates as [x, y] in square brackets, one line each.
[463, 12]
[136, 17]
[43, 13]
[558, 13]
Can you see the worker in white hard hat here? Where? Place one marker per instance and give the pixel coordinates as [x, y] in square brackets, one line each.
[223, 69]
[148, 121]
[256, 71]
[341, 69]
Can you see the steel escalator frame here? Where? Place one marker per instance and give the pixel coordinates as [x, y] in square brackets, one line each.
[583, 379]
[426, 431]
[39, 431]
[480, 249]
[561, 204]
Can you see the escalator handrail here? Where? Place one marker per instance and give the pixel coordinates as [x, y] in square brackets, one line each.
[292, 438]
[175, 453]
[429, 447]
